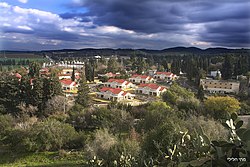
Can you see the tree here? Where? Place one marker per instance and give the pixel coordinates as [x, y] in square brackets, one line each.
[220, 107]
[201, 94]
[73, 77]
[227, 67]
[112, 65]
[89, 72]
[9, 93]
[176, 66]
[83, 97]
[34, 68]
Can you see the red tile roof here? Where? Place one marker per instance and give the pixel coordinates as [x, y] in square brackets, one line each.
[113, 90]
[141, 76]
[117, 80]
[67, 82]
[164, 73]
[18, 75]
[124, 93]
[152, 86]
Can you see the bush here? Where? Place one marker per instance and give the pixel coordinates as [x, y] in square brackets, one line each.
[212, 128]
[155, 115]
[42, 136]
[190, 104]
[160, 139]
[101, 144]
[221, 107]
[6, 125]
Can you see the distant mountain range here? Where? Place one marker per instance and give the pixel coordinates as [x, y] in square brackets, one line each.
[128, 52]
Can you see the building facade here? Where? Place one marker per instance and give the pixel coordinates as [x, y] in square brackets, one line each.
[220, 86]
[141, 79]
[150, 89]
[114, 94]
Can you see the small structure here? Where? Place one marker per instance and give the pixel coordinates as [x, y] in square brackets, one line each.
[69, 87]
[44, 72]
[141, 79]
[119, 83]
[220, 86]
[165, 76]
[109, 75]
[114, 94]
[215, 74]
[150, 89]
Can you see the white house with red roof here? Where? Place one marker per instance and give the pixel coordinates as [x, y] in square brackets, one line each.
[118, 83]
[150, 89]
[165, 76]
[114, 94]
[69, 87]
[141, 79]
[109, 75]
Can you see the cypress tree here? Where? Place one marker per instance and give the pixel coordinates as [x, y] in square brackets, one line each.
[227, 67]
[83, 97]
[73, 77]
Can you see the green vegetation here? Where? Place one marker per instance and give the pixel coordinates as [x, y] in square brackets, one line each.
[39, 127]
[41, 159]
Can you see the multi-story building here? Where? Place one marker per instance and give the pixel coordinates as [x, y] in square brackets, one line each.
[150, 89]
[220, 86]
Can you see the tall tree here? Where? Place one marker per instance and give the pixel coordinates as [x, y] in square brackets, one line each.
[112, 65]
[83, 97]
[227, 67]
[89, 72]
[34, 68]
[176, 66]
[9, 93]
[73, 77]
[201, 94]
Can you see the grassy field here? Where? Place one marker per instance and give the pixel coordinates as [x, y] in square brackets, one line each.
[43, 159]
[20, 55]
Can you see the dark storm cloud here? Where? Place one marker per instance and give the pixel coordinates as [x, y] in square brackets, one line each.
[155, 16]
[16, 30]
[228, 33]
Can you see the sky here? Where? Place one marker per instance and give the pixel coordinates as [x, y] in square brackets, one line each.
[151, 24]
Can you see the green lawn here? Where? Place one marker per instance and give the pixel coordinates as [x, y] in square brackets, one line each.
[43, 159]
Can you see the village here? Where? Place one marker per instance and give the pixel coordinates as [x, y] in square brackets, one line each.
[135, 89]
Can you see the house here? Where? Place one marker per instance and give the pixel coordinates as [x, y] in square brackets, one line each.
[69, 87]
[44, 72]
[18, 76]
[119, 83]
[165, 76]
[141, 79]
[150, 89]
[215, 74]
[220, 86]
[109, 75]
[114, 94]
[67, 74]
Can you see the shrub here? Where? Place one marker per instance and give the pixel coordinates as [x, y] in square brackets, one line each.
[101, 144]
[221, 107]
[42, 136]
[212, 128]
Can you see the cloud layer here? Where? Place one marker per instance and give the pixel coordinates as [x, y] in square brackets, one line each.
[155, 24]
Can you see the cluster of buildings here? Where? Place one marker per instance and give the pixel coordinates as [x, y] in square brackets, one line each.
[120, 89]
